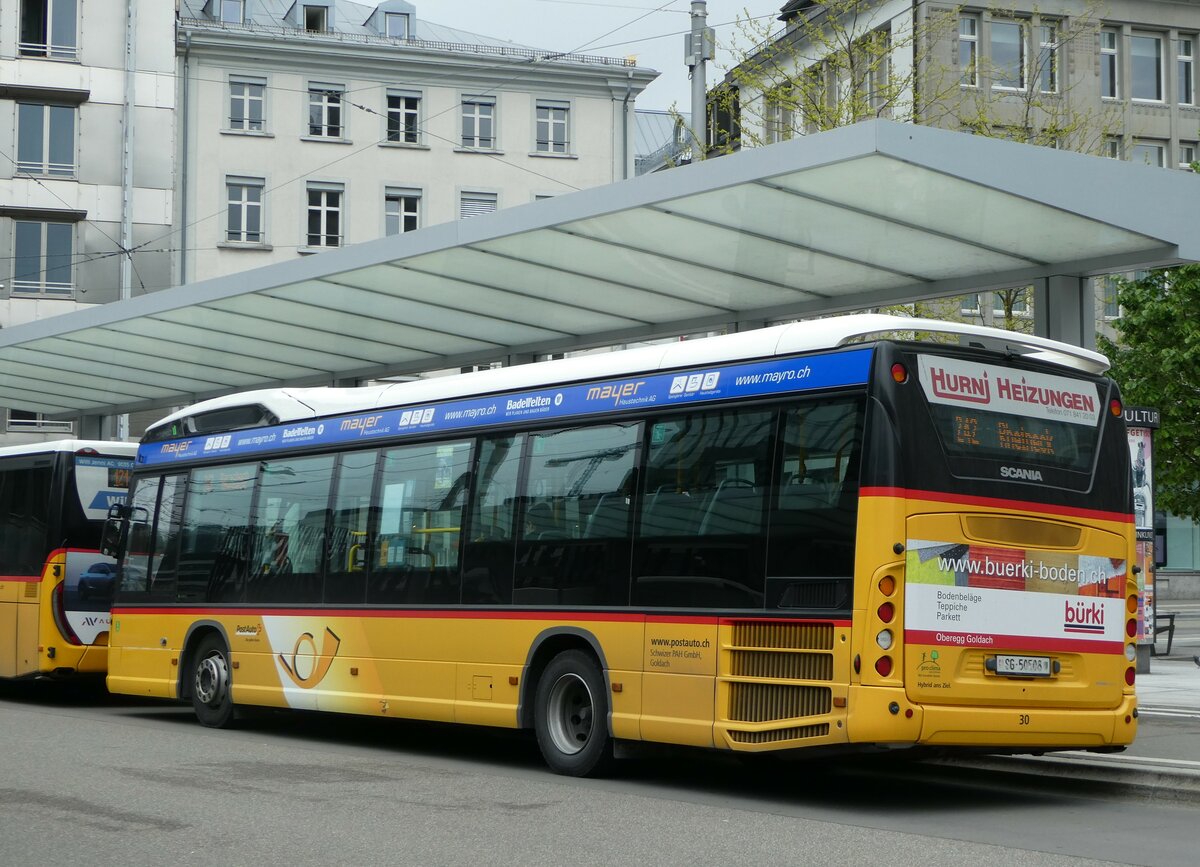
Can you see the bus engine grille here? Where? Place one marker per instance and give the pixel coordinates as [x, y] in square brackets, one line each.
[786, 636]
[767, 702]
[781, 666]
[776, 735]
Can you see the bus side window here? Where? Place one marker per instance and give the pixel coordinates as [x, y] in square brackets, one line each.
[488, 552]
[815, 517]
[288, 531]
[422, 497]
[574, 545]
[353, 526]
[701, 540]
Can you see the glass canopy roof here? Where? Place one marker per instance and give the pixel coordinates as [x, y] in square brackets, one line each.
[878, 213]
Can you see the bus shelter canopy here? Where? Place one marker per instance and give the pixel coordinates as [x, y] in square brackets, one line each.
[874, 214]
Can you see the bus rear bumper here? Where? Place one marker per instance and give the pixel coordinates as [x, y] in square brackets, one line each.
[1029, 728]
[886, 716]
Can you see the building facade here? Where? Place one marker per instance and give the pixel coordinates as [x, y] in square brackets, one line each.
[87, 91]
[311, 125]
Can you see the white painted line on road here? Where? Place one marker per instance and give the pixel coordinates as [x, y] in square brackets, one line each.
[1169, 711]
[1183, 764]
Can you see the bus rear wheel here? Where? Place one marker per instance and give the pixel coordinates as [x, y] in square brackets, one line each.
[211, 694]
[571, 716]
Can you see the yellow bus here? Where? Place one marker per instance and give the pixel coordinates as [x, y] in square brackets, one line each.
[858, 532]
[55, 585]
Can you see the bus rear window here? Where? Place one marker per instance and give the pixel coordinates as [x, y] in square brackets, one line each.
[997, 413]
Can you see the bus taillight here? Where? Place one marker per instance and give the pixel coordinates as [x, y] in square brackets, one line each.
[886, 612]
[1130, 675]
[899, 373]
[59, 609]
[1115, 407]
[883, 665]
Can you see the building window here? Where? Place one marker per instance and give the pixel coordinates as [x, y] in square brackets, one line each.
[20, 420]
[48, 29]
[968, 49]
[401, 210]
[396, 25]
[1187, 154]
[1109, 64]
[245, 199]
[403, 117]
[969, 305]
[1047, 71]
[325, 110]
[879, 75]
[1146, 67]
[232, 11]
[1187, 71]
[779, 118]
[325, 215]
[552, 127]
[316, 19]
[246, 100]
[46, 139]
[1018, 297]
[1148, 153]
[1108, 290]
[478, 123]
[1008, 54]
[43, 260]
[1114, 148]
[474, 204]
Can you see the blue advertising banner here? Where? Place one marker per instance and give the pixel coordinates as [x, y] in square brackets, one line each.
[649, 391]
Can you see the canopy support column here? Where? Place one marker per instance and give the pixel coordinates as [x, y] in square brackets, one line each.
[1063, 309]
[98, 427]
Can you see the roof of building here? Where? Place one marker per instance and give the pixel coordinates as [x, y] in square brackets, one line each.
[352, 20]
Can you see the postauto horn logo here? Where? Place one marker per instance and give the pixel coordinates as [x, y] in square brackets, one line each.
[307, 668]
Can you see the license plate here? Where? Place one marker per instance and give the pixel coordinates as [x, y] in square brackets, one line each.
[1023, 666]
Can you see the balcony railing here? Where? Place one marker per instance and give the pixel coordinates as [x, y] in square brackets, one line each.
[424, 44]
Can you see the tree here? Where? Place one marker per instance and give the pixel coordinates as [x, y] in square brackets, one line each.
[1156, 361]
[836, 63]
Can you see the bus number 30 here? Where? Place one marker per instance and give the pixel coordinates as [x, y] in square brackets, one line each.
[1023, 719]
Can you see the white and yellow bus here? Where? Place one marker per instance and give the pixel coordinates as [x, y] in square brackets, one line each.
[55, 585]
[839, 533]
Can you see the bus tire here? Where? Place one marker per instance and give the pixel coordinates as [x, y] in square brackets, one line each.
[211, 684]
[571, 716]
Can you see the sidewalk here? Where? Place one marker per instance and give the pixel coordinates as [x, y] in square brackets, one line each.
[1171, 684]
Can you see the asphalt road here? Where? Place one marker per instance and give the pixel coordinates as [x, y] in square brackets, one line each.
[92, 779]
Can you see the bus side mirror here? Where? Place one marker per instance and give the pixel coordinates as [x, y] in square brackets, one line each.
[112, 537]
[116, 528]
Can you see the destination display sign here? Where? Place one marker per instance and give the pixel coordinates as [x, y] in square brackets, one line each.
[649, 391]
[1001, 413]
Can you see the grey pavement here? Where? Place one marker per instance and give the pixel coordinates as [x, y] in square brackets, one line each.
[1171, 684]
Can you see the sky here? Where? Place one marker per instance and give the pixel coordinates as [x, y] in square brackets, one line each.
[650, 29]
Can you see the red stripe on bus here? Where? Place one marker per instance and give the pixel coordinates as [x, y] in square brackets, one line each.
[444, 613]
[26, 579]
[996, 502]
[1016, 643]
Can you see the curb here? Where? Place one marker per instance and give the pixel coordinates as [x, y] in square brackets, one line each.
[1120, 776]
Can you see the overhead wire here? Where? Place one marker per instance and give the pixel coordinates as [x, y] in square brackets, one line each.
[423, 128]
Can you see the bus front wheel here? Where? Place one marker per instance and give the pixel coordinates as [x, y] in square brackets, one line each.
[211, 696]
[571, 716]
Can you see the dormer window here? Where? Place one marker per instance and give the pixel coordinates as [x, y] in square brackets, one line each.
[316, 19]
[395, 19]
[397, 24]
[232, 11]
